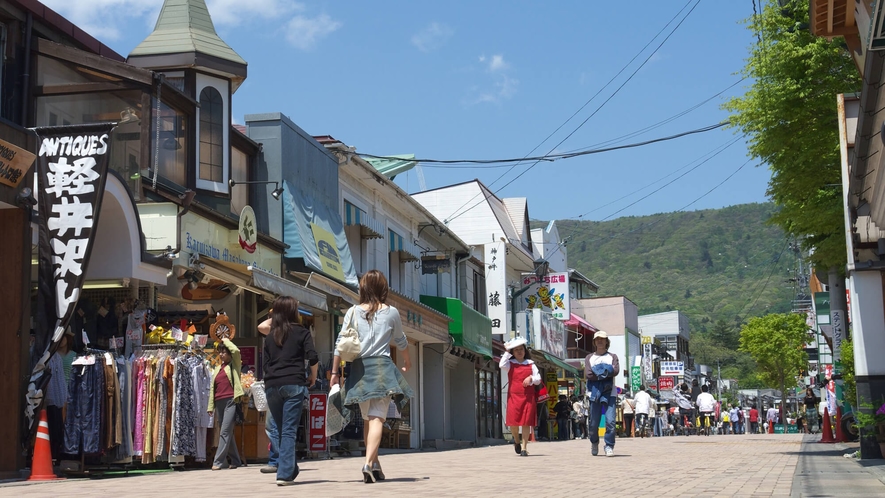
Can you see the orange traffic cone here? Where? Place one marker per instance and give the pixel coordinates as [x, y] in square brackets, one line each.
[840, 438]
[771, 427]
[826, 430]
[41, 465]
[532, 435]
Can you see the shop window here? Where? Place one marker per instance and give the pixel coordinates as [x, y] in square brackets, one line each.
[171, 149]
[239, 197]
[211, 135]
[479, 293]
[125, 146]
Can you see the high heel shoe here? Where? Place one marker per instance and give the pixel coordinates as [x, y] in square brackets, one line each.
[376, 472]
[368, 476]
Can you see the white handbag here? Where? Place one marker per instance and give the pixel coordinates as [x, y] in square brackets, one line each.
[349, 345]
[258, 396]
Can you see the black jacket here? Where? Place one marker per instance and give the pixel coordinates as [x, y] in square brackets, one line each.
[285, 365]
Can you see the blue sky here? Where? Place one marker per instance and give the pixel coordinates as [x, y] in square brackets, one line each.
[488, 80]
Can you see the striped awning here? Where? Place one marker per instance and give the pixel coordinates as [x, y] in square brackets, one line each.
[370, 228]
[406, 249]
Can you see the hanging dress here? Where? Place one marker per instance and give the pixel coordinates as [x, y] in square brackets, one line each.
[522, 405]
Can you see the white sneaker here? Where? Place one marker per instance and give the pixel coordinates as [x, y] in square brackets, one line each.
[595, 449]
[609, 451]
[281, 482]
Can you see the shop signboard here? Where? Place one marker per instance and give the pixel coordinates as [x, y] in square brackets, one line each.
[207, 238]
[647, 369]
[249, 357]
[550, 294]
[674, 368]
[316, 433]
[666, 383]
[14, 163]
[496, 287]
[635, 378]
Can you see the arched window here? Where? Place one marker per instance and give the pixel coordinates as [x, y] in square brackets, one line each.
[211, 135]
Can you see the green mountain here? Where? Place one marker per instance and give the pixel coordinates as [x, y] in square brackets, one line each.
[718, 264]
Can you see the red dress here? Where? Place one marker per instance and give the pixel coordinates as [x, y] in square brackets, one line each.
[522, 405]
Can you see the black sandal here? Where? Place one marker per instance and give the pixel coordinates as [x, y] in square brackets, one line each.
[517, 446]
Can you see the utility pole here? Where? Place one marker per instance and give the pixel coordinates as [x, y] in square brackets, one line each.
[718, 380]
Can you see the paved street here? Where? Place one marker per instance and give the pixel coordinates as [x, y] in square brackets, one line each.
[763, 465]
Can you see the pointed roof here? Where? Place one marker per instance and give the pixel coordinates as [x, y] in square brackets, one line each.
[185, 36]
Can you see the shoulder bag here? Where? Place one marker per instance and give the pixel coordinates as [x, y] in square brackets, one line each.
[349, 345]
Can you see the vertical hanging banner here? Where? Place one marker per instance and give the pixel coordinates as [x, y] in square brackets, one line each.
[72, 165]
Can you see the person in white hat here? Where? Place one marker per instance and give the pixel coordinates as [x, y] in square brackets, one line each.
[522, 406]
[600, 369]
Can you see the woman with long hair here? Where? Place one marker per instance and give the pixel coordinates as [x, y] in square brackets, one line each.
[374, 378]
[286, 348]
[522, 407]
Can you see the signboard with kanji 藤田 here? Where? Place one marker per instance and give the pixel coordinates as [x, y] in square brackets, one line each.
[316, 433]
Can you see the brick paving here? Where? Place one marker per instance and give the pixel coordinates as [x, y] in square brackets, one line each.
[741, 466]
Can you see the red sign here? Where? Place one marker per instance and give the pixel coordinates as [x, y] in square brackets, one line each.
[317, 430]
[666, 383]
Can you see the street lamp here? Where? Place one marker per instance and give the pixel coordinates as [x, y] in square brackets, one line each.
[542, 267]
[277, 192]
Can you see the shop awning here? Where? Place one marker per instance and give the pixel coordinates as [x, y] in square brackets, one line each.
[561, 364]
[576, 321]
[328, 286]
[469, 328]
[284, 287]
[370, 228]
[406, 250]
[261, 282]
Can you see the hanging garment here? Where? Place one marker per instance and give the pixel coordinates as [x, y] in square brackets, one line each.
[202, 382]
[138, 441]
[161, 410]
[83, 425]
[185, 435]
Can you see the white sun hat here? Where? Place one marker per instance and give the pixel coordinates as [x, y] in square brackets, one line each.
[512, 343]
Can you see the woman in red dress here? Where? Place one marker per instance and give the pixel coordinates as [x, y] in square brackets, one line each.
[522, 406]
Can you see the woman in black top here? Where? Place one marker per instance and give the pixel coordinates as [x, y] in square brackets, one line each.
[286, 348]
[810, 402]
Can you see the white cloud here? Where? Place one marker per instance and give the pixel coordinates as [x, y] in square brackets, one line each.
[497, 63]
[432, 37]
[501, 86]
[304, 32]
[236, 12]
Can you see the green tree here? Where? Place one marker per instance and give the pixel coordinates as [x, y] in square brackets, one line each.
[725, 335]
[777, 343]
[789, 118]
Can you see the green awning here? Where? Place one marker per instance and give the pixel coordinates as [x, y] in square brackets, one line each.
[469, 328]
[561, 364]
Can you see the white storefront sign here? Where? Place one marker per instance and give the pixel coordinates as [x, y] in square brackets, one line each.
[496, 287]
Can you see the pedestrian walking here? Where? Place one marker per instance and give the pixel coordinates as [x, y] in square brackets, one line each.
[600, 369]
[288, 347]
[810, 401]
[224, 392]
[628, 413]
[580, 417]
[754, 420]
[374, 378]
[522, 376]
[563, 410]
[641, 405]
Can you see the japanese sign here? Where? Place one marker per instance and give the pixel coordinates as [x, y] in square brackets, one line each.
[666, 383]
[71, 171]
[551, 294]
[317, 430]
[496, 288]
[838, 334]
[647, 370]
[675, 368]
[635, 378]
[14, 163]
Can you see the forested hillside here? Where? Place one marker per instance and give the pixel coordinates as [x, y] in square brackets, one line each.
[717, 264]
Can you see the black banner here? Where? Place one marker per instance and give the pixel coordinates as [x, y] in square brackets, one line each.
[71, 171]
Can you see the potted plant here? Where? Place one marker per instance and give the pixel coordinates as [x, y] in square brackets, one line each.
[872, 423]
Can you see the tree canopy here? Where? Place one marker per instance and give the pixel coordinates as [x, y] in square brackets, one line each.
[789, 116]
[776, 342]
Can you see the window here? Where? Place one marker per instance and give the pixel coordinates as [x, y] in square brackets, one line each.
[479, 293]
[172, 147]
[239, 196]
[211, 135]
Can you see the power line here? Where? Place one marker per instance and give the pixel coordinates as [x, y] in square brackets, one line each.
[550, 157]
[456, 214]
